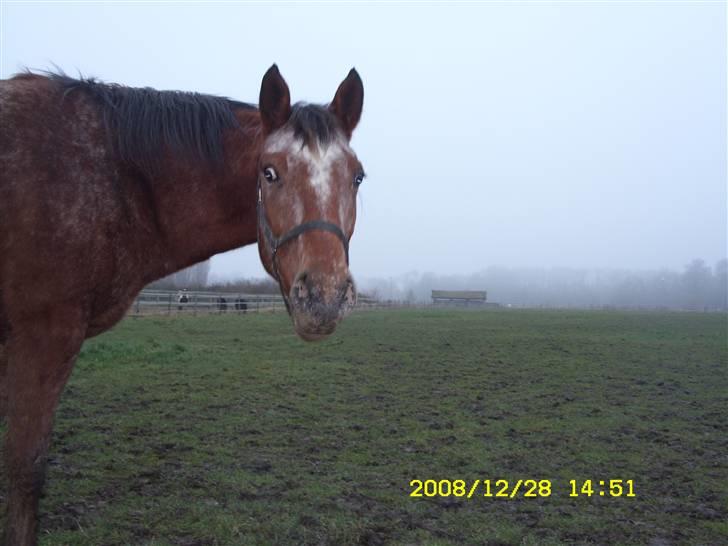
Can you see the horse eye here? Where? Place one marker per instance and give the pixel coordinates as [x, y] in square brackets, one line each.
[359, 178]
[270, 174]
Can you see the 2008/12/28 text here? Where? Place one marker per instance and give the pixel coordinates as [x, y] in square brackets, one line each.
[525, 488]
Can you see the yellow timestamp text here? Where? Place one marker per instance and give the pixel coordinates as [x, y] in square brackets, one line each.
[480, 488]
[522, 488]
[602, 488]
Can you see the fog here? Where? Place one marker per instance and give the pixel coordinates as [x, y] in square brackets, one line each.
[699, 286]
[589, 136]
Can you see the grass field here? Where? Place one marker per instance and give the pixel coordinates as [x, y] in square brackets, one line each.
[229, 430]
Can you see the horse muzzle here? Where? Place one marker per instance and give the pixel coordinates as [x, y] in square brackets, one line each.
[318, 302]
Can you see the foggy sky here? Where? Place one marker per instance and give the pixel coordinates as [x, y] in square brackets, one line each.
[569, 134]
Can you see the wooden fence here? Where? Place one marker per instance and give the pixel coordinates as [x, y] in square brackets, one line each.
[167, 302]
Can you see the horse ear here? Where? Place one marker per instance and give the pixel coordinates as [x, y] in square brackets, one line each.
[348, 102]
[275, 100]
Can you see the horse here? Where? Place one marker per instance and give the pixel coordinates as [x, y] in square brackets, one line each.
[105, 188]
[182, 298]
[241, 304]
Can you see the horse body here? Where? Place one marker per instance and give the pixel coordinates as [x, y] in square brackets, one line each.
[81, 218]
[104, 189]
[82, 233]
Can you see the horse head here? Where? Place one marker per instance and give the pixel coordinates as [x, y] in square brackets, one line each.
[308, 178]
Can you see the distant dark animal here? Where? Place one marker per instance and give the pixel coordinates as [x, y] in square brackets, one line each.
[222, 304]
[181, 299]
[241, 305]
[105, 188]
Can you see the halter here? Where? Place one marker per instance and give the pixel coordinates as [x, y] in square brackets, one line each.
[274, 243]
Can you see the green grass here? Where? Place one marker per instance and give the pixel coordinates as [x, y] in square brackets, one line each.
[229, 430]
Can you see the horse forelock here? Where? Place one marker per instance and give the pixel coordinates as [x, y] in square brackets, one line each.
[314, 124]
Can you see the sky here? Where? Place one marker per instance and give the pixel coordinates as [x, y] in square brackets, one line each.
[536, 134]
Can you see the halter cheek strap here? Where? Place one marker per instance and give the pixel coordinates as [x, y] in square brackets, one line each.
[274, 243]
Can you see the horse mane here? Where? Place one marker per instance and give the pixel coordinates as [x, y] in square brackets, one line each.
[143, 122]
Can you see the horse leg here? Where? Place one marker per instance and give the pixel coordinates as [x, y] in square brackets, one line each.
[4, 333]
[3, 381]
[40, 356]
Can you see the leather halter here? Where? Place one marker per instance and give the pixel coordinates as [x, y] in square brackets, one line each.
[274, 243]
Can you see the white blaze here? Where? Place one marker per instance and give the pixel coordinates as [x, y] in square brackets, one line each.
[320, 161]
[320, 164]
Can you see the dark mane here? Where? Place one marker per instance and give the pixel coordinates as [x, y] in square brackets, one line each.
[313, 123]
[142, 122]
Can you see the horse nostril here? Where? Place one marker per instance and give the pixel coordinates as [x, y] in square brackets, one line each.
[300, 287]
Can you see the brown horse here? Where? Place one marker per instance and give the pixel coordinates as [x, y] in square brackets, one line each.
[105, 188]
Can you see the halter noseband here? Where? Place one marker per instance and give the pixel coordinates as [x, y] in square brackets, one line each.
[274, 243]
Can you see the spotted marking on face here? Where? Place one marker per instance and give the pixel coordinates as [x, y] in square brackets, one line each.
[320, 161]
[320, 164]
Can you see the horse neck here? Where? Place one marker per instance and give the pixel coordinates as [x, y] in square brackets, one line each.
[203, 210]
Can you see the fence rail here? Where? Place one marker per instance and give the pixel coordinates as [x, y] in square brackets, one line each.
[167, 302]
[164, 302]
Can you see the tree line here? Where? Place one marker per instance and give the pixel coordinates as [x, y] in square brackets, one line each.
[697, 287]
